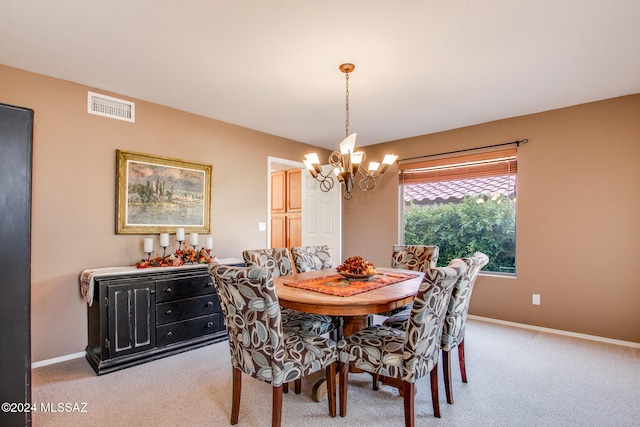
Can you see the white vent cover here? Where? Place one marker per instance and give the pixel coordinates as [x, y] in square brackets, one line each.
[107, 106]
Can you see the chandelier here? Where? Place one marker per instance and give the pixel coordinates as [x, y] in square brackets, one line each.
[347, 164]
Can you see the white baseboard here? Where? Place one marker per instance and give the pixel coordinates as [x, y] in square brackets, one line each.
[557, 331]
[57, 360]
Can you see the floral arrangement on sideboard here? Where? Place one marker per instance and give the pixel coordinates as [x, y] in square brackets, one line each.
[185, 254]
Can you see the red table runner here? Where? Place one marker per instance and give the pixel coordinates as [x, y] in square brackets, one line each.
[337, 285]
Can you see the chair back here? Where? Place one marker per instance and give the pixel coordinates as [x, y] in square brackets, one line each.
[414, 257]
[308, 258]
[277, 260]
[456, 319]
[251, 309]
[423, 333]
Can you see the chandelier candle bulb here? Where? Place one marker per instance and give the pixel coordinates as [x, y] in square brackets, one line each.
[194, 239]
[180, 234]
[164, 240]
[148, 245]
[208, 243]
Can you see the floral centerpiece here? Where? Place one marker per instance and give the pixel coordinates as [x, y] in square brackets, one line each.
[182, 256]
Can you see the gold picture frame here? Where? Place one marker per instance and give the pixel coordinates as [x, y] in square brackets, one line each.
[159, 194]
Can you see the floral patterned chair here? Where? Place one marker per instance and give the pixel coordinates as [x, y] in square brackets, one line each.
[278, 261]
[401, 357]
[309, 258]
[258, 344]
[455, 321]
[412, 257]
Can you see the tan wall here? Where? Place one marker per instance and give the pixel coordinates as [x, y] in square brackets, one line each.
[73, 219]
[578, 230]
[577, 204]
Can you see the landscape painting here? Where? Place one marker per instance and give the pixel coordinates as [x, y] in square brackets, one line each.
[158, 195]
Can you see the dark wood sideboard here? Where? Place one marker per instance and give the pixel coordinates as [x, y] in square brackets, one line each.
[152, 313]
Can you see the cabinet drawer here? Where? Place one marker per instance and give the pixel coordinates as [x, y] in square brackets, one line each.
[187, 329]
[185, 287]
[184, 309]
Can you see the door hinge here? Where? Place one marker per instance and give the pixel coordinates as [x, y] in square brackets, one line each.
[106, 343]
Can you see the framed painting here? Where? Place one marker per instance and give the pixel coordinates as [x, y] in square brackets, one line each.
[158, 194]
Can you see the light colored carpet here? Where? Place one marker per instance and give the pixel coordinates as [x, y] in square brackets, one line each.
[517, 377]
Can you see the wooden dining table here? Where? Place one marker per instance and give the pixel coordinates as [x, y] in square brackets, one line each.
[353, 309]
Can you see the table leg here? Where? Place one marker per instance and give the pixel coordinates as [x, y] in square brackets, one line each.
[353, 324]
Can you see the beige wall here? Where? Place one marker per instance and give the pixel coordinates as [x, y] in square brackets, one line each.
[73, 219]
[578, 204]
[578, 229]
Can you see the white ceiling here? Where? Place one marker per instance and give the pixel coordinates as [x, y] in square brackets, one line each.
[272, 65]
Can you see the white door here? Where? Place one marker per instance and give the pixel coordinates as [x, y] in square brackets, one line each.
[322, 214]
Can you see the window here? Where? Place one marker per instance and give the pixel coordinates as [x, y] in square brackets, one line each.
[463, 204]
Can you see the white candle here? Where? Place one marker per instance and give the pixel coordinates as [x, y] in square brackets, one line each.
[148, 245]
[194, 239]
[208, 243]
[180, 234]
[164, 240]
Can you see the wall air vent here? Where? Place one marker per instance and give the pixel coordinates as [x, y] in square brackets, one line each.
[107, 106]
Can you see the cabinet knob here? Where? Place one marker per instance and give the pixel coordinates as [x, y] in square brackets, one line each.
[168, 290]
[209, 303]
[152, 291]
[169, 311]
[209, 325]
[209, 283]
[169, 333]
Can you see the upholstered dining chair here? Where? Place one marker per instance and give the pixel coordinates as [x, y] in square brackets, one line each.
[455, 321]
[309, 258]
[278, 260]
[412, 257]
[401, 357]
[258, 344]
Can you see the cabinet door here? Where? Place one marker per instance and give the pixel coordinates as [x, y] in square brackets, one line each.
[278, 191]
[294, 231]
[132, 318]
[278, 232]
[294, 190]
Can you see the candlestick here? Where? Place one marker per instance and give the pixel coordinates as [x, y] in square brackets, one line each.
[208, 243]
[164, 240]
[148, 246]
[180, 234]
[194, 239]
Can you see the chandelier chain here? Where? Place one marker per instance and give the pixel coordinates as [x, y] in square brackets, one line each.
[346, 122]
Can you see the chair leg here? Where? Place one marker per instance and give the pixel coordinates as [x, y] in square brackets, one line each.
[235, 400]
[276, 408]
[344, 376]
[434, 391]
[330, 373]
[446, 372]
[409, 407]
[298, 385]
[376, 381]
[463, 368]
[285, 388]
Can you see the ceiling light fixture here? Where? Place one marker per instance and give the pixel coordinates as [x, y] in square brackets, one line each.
[347, 162]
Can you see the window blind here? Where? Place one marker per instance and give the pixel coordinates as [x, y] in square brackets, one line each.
[495, 163]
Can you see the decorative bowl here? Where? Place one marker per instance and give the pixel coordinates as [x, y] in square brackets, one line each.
[351, 276]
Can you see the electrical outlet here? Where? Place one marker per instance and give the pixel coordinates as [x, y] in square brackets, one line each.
[535, 300]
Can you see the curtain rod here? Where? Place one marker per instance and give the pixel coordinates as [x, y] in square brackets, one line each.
[521, 141]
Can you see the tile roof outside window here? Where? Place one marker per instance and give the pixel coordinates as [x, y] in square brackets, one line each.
[454, 191]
